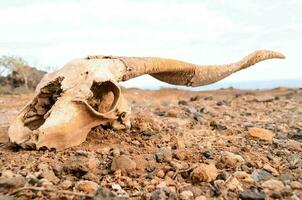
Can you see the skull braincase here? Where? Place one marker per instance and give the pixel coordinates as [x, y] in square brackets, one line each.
[85, 93]
[69, 102]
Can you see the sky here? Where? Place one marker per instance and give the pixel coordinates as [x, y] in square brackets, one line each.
[49, 33]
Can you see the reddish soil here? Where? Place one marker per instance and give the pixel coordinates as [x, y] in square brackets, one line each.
[182, 145]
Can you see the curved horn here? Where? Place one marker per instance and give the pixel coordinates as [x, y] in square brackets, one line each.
[182, 73]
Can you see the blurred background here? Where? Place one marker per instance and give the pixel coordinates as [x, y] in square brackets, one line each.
[47, 34]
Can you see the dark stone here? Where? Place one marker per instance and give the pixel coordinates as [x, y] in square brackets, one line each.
[247, 195]
[297, 136]
[196, 98]
[221, 176]
[148, 133]
[160, 113]
[216, 126]
[104, 194]
[260, 174]
[207, 153]
[182, 102]
[150, 168]
[158, 194]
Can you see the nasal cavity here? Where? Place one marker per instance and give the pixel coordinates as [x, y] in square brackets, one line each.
[38, 110]
[105, 96]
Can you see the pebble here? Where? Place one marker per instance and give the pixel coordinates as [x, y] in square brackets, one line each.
[182, 102]
[164, 155]
[4, 197]
[243, 176]
[150, 168]
[270, 169]
[180, 154]
[11, 183]
[296, 185]
[87, 186]
[186, 195]
[204, 173]
[7, 174]
[231, 159]
[247, 195]
[234, 185]
[159, 194]
[201, 198]
[123, 163]
[119, 191]
[104, 194]
[47, 172]
[264, 98]
[81, 162]
[173, 113]
[261, 134]
[66, 184]
[160, 174]
[273, 185]
[260, 174]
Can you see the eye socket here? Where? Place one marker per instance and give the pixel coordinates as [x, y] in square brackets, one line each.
[123, 115]
[105, 96]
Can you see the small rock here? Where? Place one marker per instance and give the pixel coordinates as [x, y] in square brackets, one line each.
[47, 172]
[296, 185]
[182, 102]
[264, 98]
[270, 169]
[260, 174]
[4, 197]
[180, 154]
[204, 173]
[160, 113]
[201, 198]
[216, 126]
[294, 145]
[86, 186]
[231, 159]
[159, 194]
[243, 176]
[123, 163]
[150, 168]
[104, 194]
[207, 153]
[247, 195]
[119, 191]
[173, 113]
[262, 134]
[66, 184]
[7, 174]
[273, 185]
[81, 163]
[160, 174]
[186, 195]
[12, 183]
[45, 183]
[164, 155]
[148, 133]
[234, 185]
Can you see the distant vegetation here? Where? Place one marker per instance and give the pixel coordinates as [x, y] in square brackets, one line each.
[16, 75]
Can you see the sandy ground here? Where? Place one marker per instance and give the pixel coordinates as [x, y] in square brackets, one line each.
[224, 144]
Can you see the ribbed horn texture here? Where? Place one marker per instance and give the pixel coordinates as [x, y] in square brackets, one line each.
[182, 73]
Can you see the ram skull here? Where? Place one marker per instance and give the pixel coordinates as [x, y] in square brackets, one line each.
[85, 93]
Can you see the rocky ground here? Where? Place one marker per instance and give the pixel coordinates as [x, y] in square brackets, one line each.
[224, 144]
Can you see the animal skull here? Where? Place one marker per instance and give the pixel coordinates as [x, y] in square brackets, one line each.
[85, 93]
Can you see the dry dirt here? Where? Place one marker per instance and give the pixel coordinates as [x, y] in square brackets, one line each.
[182, 145]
